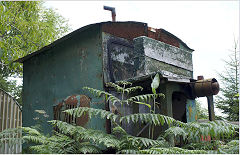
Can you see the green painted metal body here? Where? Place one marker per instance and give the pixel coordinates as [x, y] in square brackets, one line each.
[62, 71]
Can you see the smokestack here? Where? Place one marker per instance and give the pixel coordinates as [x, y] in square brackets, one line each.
[112, 9]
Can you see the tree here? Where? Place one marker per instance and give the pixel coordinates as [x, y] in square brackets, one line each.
[202, 112]
[228, 100]
[26, 26]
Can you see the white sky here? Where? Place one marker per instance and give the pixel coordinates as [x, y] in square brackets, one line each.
[208, 27]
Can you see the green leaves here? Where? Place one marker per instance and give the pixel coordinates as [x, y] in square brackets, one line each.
[176, 131]
[146, 97]
[26, 27]
[155, 83]
[156, 119]
[78, 112]
[107, 95]
[80, 133]
[120, 89]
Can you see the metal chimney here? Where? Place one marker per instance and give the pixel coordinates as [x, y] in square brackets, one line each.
[112, 9]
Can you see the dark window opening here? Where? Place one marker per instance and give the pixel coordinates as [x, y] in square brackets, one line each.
[179, 101]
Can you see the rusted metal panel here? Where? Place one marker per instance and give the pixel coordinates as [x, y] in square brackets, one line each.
[206, 87]
[127, 30]
[70, 102]
[158, 34]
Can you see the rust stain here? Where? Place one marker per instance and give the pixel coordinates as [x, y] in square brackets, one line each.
[206, 87]
[159, 35]
[190, 111]
[84, 102]
[73, 102]
[196, 117]
[132, 30]
[125, 30]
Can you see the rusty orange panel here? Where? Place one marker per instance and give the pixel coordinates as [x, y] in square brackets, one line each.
[158, 34]
[73, 102]
[127, 30]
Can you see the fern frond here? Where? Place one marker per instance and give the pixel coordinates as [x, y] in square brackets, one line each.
[145, 142]
[176, 131]
[128, 151]
[115, 86]
[156, 119]
[35, 139]
[171, 150]
[88, 148]
[123, 89]
[98, 137]
[145, 98]
[133, 89]
[118, 130]
[64, 127]
[99, 93]
[42, 149]
[31, 131]
[123, 83]
[78, 112]
[148, 105]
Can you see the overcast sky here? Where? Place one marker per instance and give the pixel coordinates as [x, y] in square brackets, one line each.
[208, 27]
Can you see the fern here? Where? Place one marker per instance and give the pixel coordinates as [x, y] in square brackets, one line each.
[124, 83]
[97, 136]
[128, 151]
[176, 131]
[145, 98]
[171, 150]
[78, 112]
[100, 93]
[156, 119]
[118, 130]
[123, 89]
[11, 136]
[231, 147]
[89, 148]
[193, 131]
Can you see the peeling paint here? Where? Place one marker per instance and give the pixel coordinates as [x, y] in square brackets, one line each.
[168, 54]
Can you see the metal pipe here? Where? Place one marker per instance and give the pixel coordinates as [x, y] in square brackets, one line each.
[112, 9]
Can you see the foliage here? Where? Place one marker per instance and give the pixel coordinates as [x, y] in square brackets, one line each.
[12, 136]
[26, 26]
[69, 138]
[58, 143]
[228, 101]
[202, 113]
[11, 87]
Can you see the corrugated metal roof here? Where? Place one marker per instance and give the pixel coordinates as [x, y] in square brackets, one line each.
[55, 43]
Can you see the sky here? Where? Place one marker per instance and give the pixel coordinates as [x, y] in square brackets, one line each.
[208, 27]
